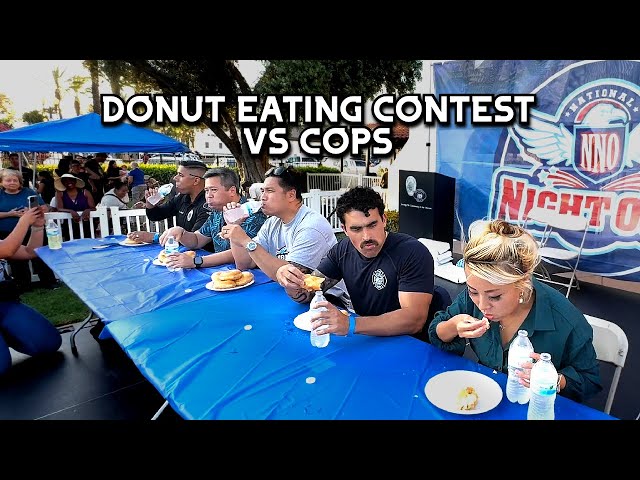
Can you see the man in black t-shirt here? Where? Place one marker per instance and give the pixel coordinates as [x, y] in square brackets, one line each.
[389, 276]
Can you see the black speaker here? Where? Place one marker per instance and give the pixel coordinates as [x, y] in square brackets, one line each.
[426, 206]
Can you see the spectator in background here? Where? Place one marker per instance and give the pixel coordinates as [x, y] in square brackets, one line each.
[145, 158]
[118, 196]
[13, 204]
[21, 327]
[45, 186]
[27, 173]
[76, 168]
[93, 167]
[63, 165]
[72, 197]
[136, 182]
[113, 173]
[384, 180]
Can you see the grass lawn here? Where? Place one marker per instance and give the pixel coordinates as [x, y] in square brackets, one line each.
[60, 306]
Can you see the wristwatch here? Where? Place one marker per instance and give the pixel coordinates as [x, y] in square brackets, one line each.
[558, 384]
[197, 261]
[251, 246]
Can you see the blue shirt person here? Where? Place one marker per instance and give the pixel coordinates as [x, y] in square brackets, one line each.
[222, 186]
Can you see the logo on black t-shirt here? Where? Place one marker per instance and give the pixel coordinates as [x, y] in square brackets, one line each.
[189, 215]
[379, 279]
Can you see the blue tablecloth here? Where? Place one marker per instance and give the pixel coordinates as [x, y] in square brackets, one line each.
[239, 356]
[120, 281]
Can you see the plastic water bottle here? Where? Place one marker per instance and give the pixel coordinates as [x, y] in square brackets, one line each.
[518, 354]
[319, 341]
[172, 246]
[54, 237]
[163, 191]
[544, 379]
[243, 211]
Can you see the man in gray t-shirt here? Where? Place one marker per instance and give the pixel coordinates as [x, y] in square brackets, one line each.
[293, 233]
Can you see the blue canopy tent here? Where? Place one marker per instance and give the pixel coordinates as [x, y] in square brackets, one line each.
[86, 133]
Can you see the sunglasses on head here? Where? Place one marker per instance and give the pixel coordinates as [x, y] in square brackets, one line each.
[278, 171]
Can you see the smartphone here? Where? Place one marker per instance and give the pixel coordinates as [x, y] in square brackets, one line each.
[32, 201]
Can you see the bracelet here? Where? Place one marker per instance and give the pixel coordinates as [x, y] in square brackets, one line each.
[37, 229]
[352, 323]
[558, 384]
[156, 238]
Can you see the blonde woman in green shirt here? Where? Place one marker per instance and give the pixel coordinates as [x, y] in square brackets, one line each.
[502, 297]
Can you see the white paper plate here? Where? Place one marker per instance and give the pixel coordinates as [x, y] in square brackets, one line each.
[442, 390]
[210, 286]
[132, 244]
[303, 321]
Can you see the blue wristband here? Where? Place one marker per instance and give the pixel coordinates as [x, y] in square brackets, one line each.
[352, 323]
[156, 238]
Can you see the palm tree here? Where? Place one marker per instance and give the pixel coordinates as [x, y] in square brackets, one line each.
[57, 77]
[94, 71]
[75, 84]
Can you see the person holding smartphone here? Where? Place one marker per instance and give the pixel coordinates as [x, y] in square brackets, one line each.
[14, 202]
[21, 327]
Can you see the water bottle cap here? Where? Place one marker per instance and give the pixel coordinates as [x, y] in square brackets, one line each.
[545, 356]
[523, 333]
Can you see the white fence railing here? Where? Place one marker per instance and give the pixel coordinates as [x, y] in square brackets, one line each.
[336, 181]
[325, 203]
[322, 201]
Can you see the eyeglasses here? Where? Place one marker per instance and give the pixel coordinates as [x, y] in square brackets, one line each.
[278, 171]
[197, 176]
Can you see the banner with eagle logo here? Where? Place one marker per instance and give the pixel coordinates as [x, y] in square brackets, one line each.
[578, 154]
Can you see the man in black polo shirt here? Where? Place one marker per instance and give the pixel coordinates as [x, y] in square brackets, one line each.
[188, 206]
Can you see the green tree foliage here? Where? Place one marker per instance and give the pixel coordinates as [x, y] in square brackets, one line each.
[33, 117]
[293, 77]
[339, 77]
[6, 113]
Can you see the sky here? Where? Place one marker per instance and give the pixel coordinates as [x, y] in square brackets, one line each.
[27, 83]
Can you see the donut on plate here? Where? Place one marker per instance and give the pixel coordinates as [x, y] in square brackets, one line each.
[247, 277]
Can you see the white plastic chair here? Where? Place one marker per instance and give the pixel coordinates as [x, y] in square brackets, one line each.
[136, 219]
[550, 222]
[611, 346]
[64, 219]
